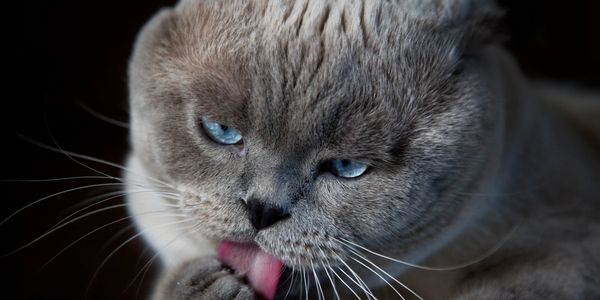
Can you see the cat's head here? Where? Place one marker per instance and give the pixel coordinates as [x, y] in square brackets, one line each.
[301, 124]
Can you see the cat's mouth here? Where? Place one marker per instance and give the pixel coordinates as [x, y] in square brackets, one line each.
[262, 270]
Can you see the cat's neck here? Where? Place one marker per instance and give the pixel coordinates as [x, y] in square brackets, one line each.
[539, 148]
[497, 199]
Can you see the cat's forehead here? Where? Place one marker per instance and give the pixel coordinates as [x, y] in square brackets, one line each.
[301, 52]
[361, 67]
[379, 26]
[306, 42]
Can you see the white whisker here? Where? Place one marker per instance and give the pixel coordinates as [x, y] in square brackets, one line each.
[92, 232]
[386, 273]
[306, 284]
[127, 242]
[60, 227]
[156, 255]
[448, 268]
[328, 275]
[104, 118]
[359, 282]
[56, 179]
[117, 235]
[344, 282]
[378, 275]
[55, 195]
[71, 155]
[335, 292]
[291, 283]
[111, 195]
[320, 293]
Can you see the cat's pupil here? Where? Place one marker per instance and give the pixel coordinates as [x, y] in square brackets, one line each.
[220, 133]
[346, 168]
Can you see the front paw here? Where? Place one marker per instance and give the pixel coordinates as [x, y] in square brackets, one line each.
[202, 278]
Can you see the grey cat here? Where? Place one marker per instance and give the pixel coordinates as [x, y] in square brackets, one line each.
[357, 149]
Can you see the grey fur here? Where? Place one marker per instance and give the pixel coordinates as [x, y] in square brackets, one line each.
[203, 278]
[463, 152]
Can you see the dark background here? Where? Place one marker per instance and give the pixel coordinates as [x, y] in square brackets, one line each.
[73, 54]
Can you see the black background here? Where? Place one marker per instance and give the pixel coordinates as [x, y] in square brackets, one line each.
[70, 54]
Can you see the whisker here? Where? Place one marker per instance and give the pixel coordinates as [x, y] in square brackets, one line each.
[55, 179]
[344, 282]
[93, 159]
[55, 195]
[95, 275]
[92, 232]
[287, 279]
[118, 234]
[104, 118]
[302, 284]
[147, 266]
[306, 284]
[172, 198]
[359, 282]
[335, 292]
[111, 196]
[291, 284]
[386, 273]
[448, 268]
[378, 275]
[326, 272]
[94, 195]
[320, 293]
[59, 148]
[62, 226]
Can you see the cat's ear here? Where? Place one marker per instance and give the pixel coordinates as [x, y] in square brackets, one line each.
[462, 10]
[477, 19]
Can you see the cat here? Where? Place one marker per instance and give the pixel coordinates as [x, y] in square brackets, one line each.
[357, 149]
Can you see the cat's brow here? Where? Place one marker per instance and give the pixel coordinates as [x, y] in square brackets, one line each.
[221, 98]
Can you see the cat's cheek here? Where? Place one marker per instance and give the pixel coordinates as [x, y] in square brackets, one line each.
[217, 217]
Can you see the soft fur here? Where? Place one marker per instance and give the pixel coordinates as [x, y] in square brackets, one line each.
[471, 168]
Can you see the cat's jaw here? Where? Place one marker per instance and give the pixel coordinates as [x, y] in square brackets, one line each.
[159, 229]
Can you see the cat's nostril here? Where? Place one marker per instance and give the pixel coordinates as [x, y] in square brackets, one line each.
[263, 216]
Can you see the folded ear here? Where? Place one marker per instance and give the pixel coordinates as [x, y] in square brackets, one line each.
[480, 20]
[462, 10]
[477, 19]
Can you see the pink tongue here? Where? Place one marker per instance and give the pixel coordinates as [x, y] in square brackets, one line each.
[261, 269]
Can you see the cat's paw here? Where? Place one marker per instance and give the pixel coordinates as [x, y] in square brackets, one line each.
[203, 278]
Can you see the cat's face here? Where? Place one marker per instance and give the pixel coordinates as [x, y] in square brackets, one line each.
[383, 85]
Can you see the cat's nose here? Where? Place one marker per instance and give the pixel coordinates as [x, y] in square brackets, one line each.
[262, 215]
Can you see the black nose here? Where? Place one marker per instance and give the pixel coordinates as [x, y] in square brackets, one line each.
[263, 216]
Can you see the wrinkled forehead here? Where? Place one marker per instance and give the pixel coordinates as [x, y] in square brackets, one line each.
[306, 71]
[331, 107]
[321, 101]
[325, 101]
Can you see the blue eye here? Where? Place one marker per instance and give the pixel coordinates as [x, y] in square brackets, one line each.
[346, 168]
[220, 133]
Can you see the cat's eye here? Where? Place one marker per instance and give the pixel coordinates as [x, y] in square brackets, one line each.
[220, 133]
[346, 168]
